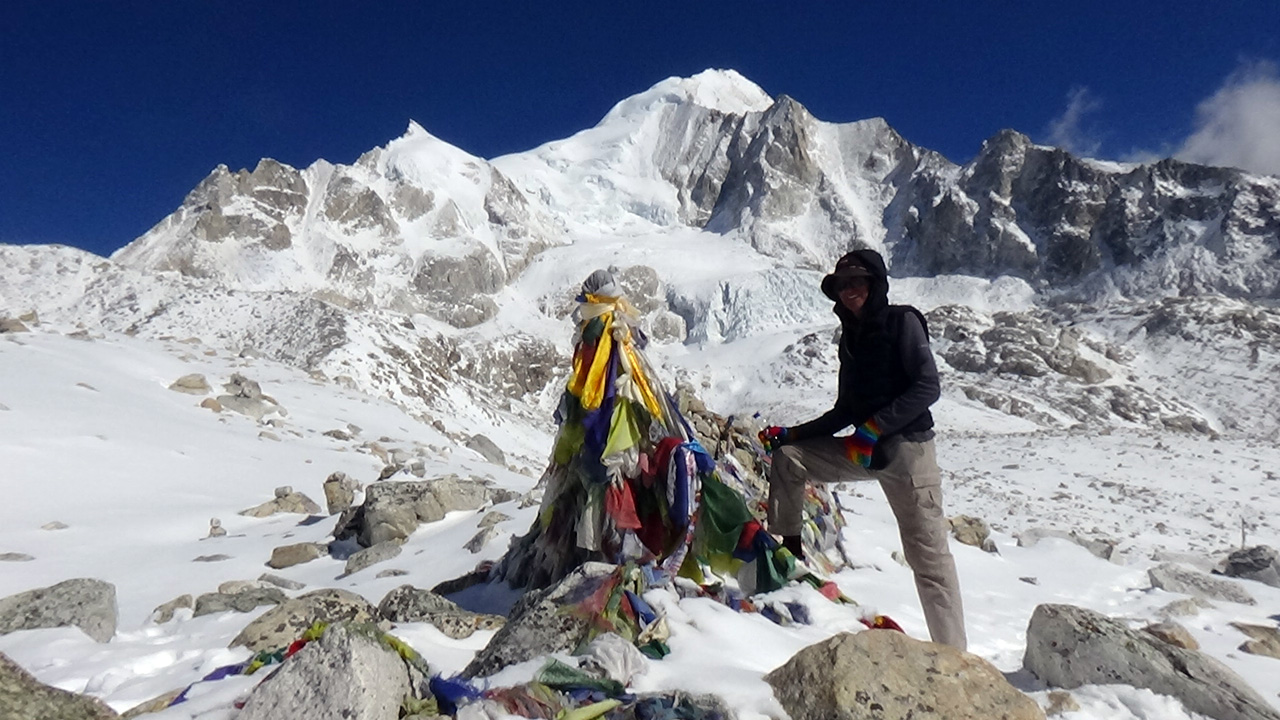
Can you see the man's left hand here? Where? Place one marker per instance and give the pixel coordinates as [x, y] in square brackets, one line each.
[862, 443]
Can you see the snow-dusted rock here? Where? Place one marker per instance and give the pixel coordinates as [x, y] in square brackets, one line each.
[884, 673]
[339, 492]
[286, 622]
[12, 325]
[348, 674]
[22, 697]
[481, 538]
[1175, 578]
[1069, 646]
[1102, 548]
[84, 602]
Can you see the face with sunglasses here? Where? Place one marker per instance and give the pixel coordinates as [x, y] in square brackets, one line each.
[852, 292]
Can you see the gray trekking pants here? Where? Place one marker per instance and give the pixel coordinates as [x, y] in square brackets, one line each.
[912, 484]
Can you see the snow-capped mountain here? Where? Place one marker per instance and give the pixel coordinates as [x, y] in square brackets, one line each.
[1080, 311]
[421, 266]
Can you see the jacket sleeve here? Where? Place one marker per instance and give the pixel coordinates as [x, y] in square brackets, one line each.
[829, 423]
[925, 388]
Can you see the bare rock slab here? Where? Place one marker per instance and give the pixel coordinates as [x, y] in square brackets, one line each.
[348, 674]
[879, 674]
[84, 602]
[1263, 640]
[1069, 646]
[295, 554]
[22, 697]
[193, 384]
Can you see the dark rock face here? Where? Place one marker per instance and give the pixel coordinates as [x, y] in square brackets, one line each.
[22, 697]
[1069, 646]
[1044, 215]
[1261, 563]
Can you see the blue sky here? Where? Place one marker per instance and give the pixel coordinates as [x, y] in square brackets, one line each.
[110, 112]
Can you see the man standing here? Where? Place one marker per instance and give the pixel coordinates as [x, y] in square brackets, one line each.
[887, 382]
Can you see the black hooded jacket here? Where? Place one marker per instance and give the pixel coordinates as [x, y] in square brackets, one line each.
[887, 371]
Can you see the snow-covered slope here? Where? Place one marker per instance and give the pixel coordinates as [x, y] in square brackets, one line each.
[1107, 334]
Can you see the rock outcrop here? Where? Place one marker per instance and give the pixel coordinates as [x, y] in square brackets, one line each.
[85, 603]
[885, 674]
[1069, 646]
[22, 697]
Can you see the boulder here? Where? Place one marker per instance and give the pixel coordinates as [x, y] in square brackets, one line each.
[244, 601]
[1263, 639]
[480, 539]
[392, 510]
[164, 613]
[290, 502]
[295, 554]
[372, 555]
[252, 408]
[193, 384]
[409, 604]
[85, 603]
[540, 622]
[241, 386]
[1178, 579]
[488, 449]
[492, 518]
[284, 623]
[1060, 702]
[16, 557]
[1102, 548]
[973, 531]
[281, 582]
[211, 404]
[339, 492]
[12, 325]
[1069, 646]
[1173, 633]
[348, 674]
[1260, 563]
[22, 697]
[886, 674]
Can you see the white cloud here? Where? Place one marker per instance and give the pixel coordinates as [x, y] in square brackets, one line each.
[1239, 125]
[1066, 131]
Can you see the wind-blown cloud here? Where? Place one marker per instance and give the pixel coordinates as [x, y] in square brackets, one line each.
[1239, 125]
[1066, 130]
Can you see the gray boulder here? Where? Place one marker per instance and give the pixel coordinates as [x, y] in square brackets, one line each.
[249, 407]
[409, 604]
[1069, 646]
[480, 539]
[22, 697]
[372, 555]
[1260, 563]
[392, 510]
[539, 623]
[85, 603]
[1099, 547]
[244, 601]
[348, 674]
[886, 674]
[1178, 579]
[165, 612]
[974, 531]
[295, 554]
[339, 492]
[286, 622]
[488, 449]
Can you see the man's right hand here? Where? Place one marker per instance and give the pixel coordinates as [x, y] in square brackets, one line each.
[773, 437]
